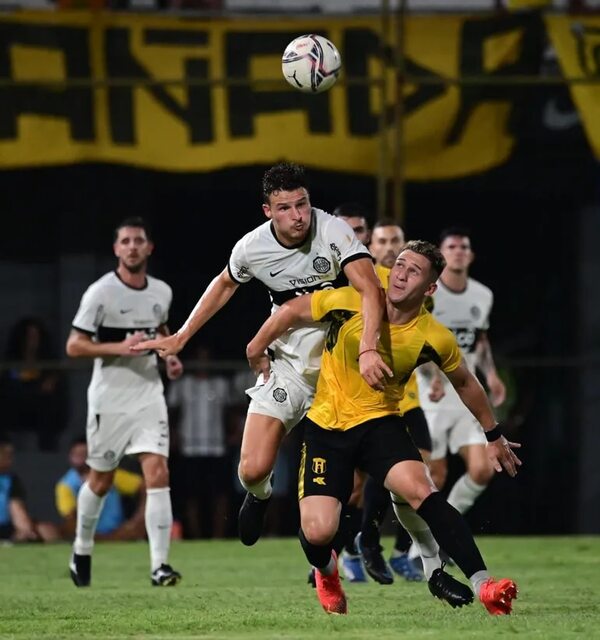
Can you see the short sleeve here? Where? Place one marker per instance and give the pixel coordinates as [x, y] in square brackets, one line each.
[91, 310]
[239, 265]
[344, 242]
[451, 355]
[65, 498]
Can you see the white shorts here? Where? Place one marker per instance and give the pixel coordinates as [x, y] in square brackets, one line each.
[451, 425]
[110, 436]
[286, 396]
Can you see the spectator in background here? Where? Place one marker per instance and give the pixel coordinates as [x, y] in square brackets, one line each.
[198, 404]
[16, 525]
[33, 396]
[113, 524]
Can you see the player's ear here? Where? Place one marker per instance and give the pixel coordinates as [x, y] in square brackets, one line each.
[267, 211]
[431, 289]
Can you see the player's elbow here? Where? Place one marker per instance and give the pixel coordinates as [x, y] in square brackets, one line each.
[73, 348]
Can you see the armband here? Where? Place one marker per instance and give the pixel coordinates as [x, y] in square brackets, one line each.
[493, 434]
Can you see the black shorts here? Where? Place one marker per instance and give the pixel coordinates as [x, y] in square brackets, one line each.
[329, 457]
[416, 423]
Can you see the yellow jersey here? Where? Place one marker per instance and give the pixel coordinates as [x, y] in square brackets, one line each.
[343, 399]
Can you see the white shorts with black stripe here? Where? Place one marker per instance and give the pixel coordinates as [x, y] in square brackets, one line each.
[285, 396]
[110, 436]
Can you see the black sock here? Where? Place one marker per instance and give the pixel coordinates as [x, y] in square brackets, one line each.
[317, 556]
[452, 533]
[350, 524]
[403, 540]
[375, 507]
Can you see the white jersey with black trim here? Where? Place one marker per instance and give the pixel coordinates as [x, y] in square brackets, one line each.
[293, 271]
[110, 310]
[466, 313]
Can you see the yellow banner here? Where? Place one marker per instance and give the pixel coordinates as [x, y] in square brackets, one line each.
[181, 116]
[577, 43]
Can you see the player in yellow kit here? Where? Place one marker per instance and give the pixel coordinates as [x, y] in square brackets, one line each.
[352, 425]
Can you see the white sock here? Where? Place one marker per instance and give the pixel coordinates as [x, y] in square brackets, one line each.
[464, 493]
[159, 520]
[89, 506]
[261, 490]
[423, 540]
[477, 579]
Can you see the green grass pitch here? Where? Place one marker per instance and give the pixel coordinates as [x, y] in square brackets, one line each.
[230, 591]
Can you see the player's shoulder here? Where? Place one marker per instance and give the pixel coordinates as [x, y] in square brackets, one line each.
[159, 285]
[479, 288]
[433, 328]
[104, 282]
[328, 223]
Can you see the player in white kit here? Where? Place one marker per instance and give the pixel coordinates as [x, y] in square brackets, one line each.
[464, 305]
[299, 249]
[127, 412]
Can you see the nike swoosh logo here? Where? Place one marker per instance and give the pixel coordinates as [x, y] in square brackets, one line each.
[558, 120]
[125, 310]
[275, 273]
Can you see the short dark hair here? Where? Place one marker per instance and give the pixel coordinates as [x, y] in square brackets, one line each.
[134, 221]
[461, 232]
[387, 222]
[352, 210]
[283, 176]
[430, 251]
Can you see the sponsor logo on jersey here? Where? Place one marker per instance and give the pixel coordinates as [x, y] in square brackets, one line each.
[275, 273]
[321, 265]
[242, 272]
[319, 480]
[279, 395]
[109, 455]
[335, 250]
[125, 310]
[476, 312]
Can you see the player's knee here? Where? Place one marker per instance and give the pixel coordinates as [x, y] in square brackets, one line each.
[481, 473]
[100, 483]
[318, 532]
[252, 472]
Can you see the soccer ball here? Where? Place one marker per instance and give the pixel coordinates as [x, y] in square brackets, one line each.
[311, 63]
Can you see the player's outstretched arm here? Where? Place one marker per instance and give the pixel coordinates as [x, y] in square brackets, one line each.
[81, 345]
[363, 278]
[473, 396]
[216, 296]
[289, 314]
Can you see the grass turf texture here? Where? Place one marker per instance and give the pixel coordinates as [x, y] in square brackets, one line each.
[231, 591]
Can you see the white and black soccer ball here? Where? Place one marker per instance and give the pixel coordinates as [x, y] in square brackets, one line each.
[311, 63]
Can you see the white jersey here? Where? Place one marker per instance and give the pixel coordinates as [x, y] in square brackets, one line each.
[288, 272]
[110, 310]
[466, 314]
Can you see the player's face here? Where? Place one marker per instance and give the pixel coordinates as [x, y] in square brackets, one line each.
[410, 278]
[290, 213]
[77, 457]
[133, 248]
[457, 252]
[359, 226]
[386, 243]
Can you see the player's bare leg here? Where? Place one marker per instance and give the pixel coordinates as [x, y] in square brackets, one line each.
[260, 444]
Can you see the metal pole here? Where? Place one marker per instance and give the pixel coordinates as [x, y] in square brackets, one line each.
[384, 160]
[398, 172]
